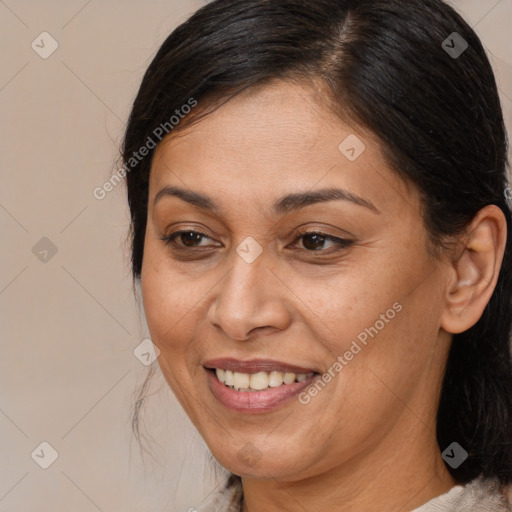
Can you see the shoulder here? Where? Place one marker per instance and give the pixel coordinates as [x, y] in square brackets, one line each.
[479, 495]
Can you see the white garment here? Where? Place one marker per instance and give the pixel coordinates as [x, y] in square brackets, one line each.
[478, 495]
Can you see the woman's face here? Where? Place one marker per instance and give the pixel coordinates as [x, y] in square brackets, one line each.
[243, 288]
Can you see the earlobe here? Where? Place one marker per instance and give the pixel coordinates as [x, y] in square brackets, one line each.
[474, 273]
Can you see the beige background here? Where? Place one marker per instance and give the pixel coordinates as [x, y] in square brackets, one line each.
[70, 324]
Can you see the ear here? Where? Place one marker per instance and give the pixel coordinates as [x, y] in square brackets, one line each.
[473, 274]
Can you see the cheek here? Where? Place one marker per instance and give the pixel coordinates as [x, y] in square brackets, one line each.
[169, 301]
[391, 347]
[348, 304]
[383, 322]
[169, 306]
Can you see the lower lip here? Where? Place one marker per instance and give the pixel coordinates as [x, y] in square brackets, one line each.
[255, 401]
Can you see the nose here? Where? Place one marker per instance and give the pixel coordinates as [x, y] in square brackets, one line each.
[250, 298]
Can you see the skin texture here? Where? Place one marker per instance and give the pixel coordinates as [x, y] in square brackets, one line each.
[367, 440]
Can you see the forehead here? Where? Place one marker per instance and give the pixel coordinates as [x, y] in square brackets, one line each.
[281, 137]
[280, 117]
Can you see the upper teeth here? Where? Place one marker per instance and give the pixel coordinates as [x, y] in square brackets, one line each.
[260, 380]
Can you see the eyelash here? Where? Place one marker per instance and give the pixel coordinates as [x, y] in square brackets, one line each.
[343, 243]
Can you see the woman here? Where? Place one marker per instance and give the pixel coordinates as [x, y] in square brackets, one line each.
[323, 242]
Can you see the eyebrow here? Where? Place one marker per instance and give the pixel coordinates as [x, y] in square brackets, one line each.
[284, 204]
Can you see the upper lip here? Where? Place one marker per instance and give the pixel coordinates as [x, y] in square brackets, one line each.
[255, 365]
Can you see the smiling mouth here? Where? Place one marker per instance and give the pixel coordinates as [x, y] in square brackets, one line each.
[259, 381]
[257, 392]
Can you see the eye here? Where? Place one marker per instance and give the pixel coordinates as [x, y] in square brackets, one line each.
[312, 241]
[188, 239]
[315, 241]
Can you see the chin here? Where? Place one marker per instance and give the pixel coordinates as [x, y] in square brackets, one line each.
[249, 463]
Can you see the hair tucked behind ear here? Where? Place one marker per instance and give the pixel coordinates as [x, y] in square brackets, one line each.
[437, 116]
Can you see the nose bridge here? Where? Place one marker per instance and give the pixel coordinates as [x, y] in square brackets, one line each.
[246, 298]
[249, 263]
[244, 283]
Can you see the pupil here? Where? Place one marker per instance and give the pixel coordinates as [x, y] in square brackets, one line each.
[317, 242]
[189, 238]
